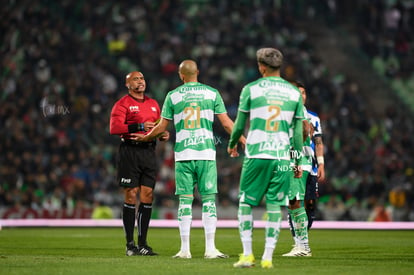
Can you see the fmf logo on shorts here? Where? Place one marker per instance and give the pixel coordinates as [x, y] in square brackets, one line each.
[124, 180]
[133, 108]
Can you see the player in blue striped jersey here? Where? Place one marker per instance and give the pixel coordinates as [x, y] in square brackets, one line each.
[317, 173]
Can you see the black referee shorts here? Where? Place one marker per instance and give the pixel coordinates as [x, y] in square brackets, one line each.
[136, 165]
[311, 188]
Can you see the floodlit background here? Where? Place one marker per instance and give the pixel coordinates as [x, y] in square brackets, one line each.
[63, 65]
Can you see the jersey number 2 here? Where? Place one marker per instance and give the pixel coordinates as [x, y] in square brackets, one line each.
[272, 125]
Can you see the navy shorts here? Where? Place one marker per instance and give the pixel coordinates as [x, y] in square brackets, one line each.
[136, 165]
[311, 188]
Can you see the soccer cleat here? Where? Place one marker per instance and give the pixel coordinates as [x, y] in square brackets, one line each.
[131, 250]
[215, 254]
[266, 264]
[291, 252]
[145, 250]
[182, 255]
[299, 252]
[303, 253]
[245, 261]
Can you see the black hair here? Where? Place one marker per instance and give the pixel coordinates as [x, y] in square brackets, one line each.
[298, 84]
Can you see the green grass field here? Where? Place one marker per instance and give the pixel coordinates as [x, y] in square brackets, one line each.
[101, 251]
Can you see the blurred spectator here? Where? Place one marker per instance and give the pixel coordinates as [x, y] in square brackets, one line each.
[380, 214]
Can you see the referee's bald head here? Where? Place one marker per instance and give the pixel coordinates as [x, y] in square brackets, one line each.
[131, 75]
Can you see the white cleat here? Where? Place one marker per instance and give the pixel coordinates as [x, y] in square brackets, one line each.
[182, 255]
[215, 254]
[303, 253]
[299, 252]
[292, 252]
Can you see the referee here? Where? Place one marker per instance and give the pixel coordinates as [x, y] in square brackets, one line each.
[136, 163]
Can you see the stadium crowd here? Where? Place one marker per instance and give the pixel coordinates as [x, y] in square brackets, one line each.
[63, 66]
[386, 35]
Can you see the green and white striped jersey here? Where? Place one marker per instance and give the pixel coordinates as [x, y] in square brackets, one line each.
[273, 103]
[192, 107]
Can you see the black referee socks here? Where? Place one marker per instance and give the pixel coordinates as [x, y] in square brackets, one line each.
[143, 219]
[128, 218]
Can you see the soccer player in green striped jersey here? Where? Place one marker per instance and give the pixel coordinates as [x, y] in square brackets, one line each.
[273, 106]
[192, 107]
